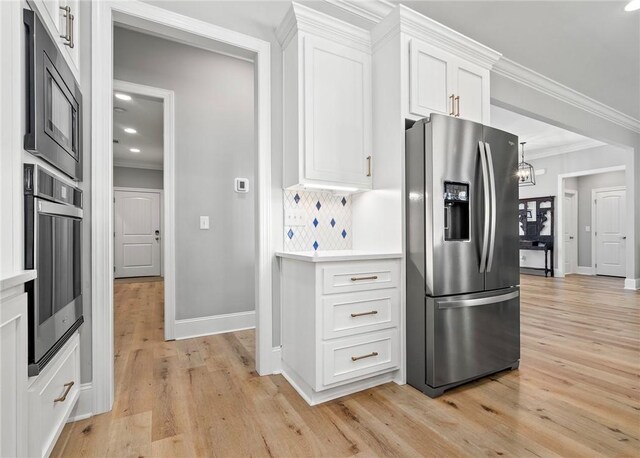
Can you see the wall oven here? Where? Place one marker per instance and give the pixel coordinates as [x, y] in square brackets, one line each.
[53, 231]
[53, 101]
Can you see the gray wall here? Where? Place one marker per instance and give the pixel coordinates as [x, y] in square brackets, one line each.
[214, 102]
[129, 177]
[584, 187]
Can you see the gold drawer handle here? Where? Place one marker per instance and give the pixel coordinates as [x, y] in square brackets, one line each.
[356, 358]
[373, 277]
[66, 392]
[372, 312]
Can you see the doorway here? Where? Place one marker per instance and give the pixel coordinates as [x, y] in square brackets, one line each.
[570, 231]
[609, 223]
[185, 30]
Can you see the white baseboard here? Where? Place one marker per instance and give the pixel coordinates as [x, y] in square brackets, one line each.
[582, 270]
[218, 324]
[84, 407]
[276, 360]
[558, 273]
[632, 283]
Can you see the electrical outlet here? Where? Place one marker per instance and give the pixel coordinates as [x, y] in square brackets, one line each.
[294, 218]
[587, 228]
[204, 222]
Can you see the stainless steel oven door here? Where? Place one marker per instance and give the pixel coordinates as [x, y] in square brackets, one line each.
[57, 291]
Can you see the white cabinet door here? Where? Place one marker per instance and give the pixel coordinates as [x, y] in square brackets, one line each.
[137, 238]
[13, 375]
[337, 113]
[432, 80]
[54, 17]
[472, 83]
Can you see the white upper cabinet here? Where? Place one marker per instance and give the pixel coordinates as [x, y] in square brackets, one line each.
[327, 102]
[62, 20]
[442, 83]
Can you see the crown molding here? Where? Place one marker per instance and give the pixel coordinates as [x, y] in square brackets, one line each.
[563, 149]
[530, 78]
[300, 18]
[416, 25]
[372, 10]
[137, 165]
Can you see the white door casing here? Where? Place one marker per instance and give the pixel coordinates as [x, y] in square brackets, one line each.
[137, 233]
[570, 232]
[609, 214]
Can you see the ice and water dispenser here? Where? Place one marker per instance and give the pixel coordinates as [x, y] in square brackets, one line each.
[456, 211]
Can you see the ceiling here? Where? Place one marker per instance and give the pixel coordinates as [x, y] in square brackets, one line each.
[542, 139]
[590, 46]
[144, 114]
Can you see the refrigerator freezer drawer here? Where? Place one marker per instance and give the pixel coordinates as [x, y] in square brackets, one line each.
[471, 335]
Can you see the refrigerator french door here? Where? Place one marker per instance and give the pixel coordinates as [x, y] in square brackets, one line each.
[462, 243]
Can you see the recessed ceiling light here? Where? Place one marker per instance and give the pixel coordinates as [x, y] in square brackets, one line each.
[134, 150]
[119, 109]
[122, 96]
[130, 130]
[633, 5]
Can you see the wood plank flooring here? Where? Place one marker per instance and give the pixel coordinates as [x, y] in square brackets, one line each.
[577, 392]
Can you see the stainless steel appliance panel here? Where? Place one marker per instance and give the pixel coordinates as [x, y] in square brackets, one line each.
[503, 265]
[452, 155]
[471, 335]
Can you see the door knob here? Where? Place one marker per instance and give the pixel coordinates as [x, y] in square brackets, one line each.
[570, 237]
[624, 237]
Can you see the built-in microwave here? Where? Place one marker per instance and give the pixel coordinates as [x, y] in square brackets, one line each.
[53, 119]
[53, 246]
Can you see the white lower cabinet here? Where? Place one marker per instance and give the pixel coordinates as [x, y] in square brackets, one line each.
[340, 325]
[51, 397]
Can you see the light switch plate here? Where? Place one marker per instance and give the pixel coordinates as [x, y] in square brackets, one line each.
[204, 222]
[294, 218]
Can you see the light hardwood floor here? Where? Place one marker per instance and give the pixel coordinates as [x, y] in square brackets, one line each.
[577, 392]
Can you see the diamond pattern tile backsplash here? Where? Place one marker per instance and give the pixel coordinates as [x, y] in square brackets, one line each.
[327, 221]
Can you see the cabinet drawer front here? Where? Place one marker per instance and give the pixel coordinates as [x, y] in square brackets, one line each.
[362, 276]
[355, 313]
[348, 359]
[49, 408]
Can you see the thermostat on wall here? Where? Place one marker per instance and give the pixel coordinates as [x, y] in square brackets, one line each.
[242, 185]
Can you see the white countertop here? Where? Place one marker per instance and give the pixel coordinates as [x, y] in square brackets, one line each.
[17, 278]
[336, 255]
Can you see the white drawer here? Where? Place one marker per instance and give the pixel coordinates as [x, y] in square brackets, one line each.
[48, 412]
[349, 359]
[360, 276]
[355, 313]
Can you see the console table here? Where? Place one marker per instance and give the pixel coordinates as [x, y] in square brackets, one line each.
[536, 220]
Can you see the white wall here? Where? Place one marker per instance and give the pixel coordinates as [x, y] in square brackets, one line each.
[214, 102]
[586, 184]
[129, 177]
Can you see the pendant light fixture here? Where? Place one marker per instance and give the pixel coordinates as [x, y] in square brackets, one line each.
[526, 174]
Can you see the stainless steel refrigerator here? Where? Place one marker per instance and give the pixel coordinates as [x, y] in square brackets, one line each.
[463, 299]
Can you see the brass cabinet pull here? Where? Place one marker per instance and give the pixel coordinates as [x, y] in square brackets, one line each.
[66, 392]
[372, 277]
[453, 110]
[457, 100]
[372, 312]
[356, 358]
[368, 166]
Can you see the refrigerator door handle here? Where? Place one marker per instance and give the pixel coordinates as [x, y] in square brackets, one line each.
[492, 179]
[487, 208]
[453, 304]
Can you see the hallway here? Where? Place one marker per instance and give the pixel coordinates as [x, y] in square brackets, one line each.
[576, 389]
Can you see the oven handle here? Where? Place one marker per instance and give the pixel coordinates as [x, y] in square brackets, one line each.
[51, 208]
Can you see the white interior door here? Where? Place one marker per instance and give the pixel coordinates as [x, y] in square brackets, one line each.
[570, 225]
[609, 210]
[137, 233]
